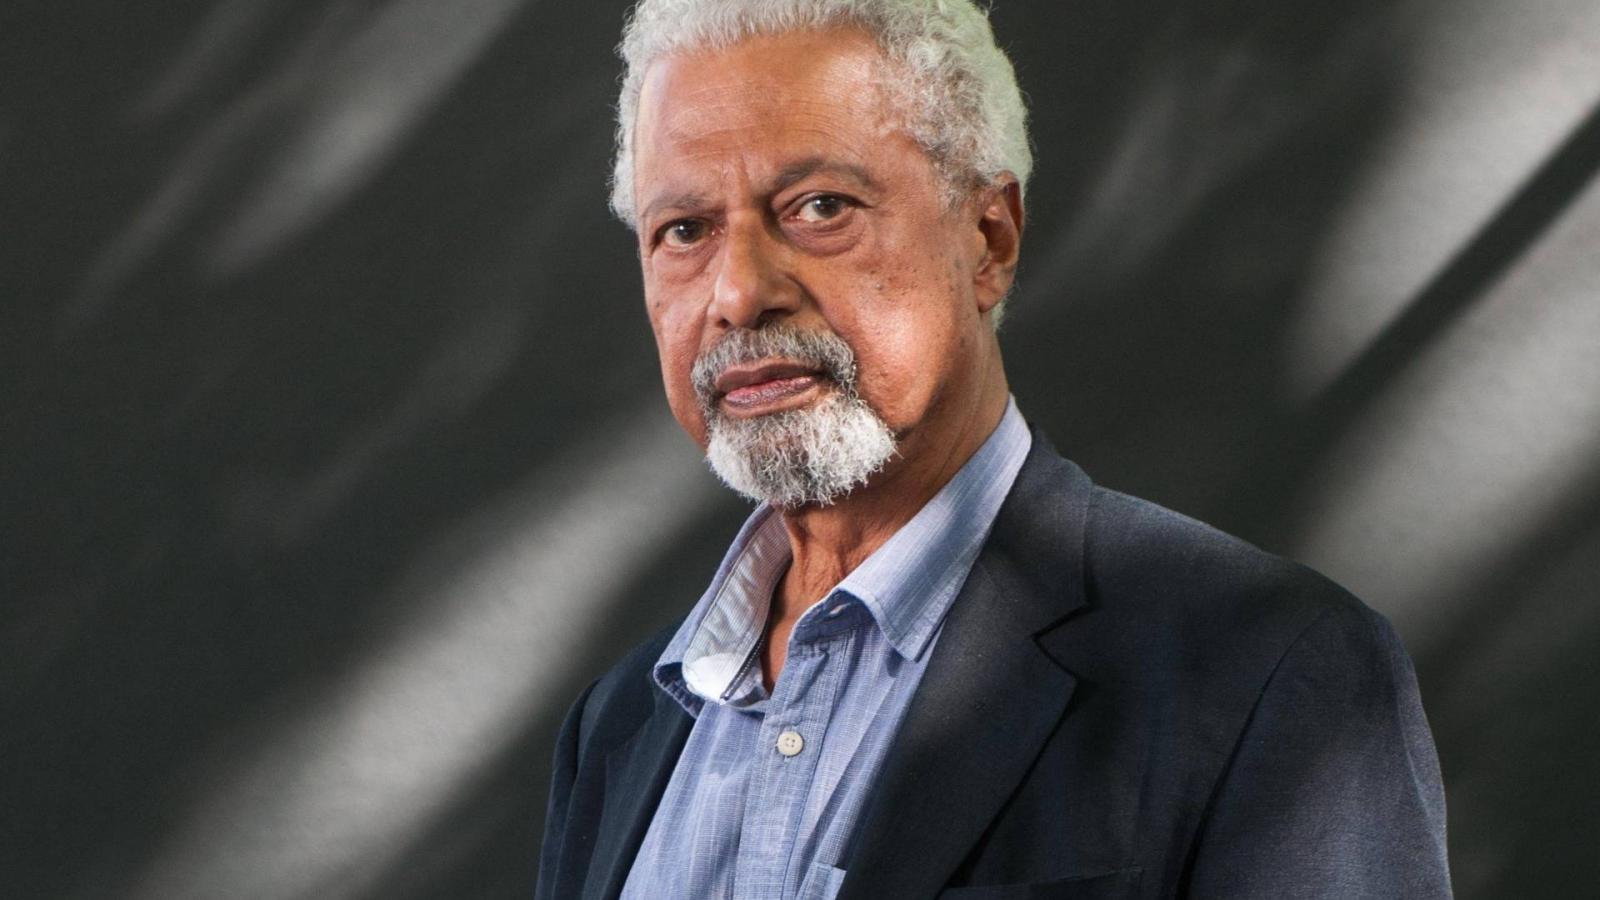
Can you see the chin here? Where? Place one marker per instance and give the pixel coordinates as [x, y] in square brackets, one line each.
[812, 455]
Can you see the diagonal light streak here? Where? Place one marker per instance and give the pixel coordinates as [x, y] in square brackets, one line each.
[1473, 445]
[320, 795]
[376, 89]
[219, 40]
[336, 109]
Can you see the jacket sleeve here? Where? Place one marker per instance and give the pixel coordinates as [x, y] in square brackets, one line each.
[563, 773]
[1333, 790]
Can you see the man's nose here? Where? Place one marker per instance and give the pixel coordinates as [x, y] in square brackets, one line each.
[753, 278]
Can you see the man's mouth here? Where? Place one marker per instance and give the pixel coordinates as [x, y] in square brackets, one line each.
[762, 388]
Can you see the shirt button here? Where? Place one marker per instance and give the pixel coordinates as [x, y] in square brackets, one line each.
[791, 743]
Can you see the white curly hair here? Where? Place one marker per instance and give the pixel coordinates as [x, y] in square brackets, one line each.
[963, 104]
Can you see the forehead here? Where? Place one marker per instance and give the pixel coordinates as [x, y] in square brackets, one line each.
[761, 104]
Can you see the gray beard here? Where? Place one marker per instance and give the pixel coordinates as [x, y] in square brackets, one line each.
[813, 455]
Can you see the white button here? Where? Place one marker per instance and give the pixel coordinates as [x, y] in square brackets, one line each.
[791, 743]
[837, 610]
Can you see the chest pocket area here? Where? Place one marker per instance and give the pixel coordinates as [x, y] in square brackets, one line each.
[1119, 885]
[822, 883]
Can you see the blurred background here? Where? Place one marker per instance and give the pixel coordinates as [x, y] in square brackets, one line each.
[335, 461]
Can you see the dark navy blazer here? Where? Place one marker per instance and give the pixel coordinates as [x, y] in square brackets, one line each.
[1123, 703]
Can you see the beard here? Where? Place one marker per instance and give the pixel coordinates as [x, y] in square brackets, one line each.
[811, 455]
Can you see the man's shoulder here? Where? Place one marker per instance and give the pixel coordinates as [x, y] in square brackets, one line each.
[1127, 538]
[1181, 584]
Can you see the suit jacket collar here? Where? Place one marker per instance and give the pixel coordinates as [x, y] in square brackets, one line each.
[975, 737]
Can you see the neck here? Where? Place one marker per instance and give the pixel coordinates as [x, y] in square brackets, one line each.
[828, 542]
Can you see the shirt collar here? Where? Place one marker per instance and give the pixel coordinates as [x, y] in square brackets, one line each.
[726, 622]
[907, 585]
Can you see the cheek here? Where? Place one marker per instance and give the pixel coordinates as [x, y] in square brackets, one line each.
[903, 350]
[676, 330]
[677, 334]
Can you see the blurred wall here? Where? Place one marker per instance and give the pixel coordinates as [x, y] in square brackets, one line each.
[335, 460]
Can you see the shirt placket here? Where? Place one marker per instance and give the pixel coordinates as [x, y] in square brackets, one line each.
[789, 747]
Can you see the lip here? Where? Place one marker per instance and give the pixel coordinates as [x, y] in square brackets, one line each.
[760, 388]
[738, 376]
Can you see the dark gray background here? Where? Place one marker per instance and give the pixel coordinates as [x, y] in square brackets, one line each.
[335, 460]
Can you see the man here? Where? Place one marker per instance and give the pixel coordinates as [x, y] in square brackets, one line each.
[937, 661]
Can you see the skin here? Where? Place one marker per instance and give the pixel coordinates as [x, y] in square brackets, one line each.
[772, 183]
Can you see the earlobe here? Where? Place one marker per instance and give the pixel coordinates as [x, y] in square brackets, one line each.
[1000, 229]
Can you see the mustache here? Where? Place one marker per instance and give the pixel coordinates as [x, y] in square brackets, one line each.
[816, 349]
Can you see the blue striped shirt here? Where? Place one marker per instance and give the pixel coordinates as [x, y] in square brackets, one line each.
[768, 788]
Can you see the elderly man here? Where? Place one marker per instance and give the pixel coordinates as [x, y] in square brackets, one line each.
[937, 661]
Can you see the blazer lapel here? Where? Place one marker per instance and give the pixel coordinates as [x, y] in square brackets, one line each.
[990, 697]
[637, 773]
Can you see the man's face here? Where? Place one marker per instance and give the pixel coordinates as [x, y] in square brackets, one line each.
[774, 189]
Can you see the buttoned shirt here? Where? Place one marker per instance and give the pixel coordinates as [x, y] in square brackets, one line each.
[769, 786]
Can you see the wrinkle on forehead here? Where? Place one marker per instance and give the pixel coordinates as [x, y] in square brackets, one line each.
[686, 115]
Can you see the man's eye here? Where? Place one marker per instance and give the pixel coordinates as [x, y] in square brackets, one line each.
[821, 208]
[683, 233]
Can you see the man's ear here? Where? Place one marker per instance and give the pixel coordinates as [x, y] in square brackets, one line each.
[1000, 230]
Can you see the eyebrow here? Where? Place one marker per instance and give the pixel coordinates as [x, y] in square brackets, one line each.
[684, 200]
[818, 165]
[787, 176]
